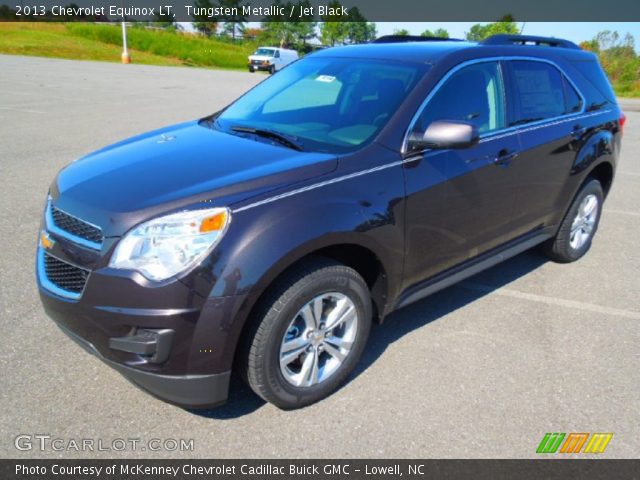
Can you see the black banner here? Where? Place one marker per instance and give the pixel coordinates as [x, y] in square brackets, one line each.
[320, 10]
[318, 469]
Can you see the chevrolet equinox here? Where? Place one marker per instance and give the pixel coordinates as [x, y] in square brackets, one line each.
[267, 237]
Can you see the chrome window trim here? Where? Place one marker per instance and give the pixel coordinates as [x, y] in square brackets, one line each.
[516, 128]
[53, 228]
[52, 287]
[537, 125]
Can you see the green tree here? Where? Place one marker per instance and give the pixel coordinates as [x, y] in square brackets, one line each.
[403, 32]
[354, 29]
[437, 33]
[619, 60]
[234, 24]
[358, 29]
[479, 31]
[333, 29]
[284, 32]
[203, 24]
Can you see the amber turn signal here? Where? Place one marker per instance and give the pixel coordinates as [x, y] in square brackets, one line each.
[214, 223]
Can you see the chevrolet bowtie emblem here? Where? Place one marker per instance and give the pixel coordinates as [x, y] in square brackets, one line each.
[46, 242]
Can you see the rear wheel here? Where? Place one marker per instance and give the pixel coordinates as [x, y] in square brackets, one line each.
[579, 226]
[309, 334]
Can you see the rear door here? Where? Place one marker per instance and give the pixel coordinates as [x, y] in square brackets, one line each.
[547, 111]
[460, 201]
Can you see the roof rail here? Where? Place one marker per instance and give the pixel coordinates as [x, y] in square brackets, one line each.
[504, 39]
[412, 38]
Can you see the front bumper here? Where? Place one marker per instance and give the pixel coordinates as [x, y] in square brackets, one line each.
[114, 308]
[189, 391]
[259, 66]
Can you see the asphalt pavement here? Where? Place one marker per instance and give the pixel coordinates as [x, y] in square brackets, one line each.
[482, 369]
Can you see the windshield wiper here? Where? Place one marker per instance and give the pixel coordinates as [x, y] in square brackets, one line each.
[287, 140]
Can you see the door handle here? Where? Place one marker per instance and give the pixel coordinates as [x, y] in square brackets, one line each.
[578, 131]
[504, 158]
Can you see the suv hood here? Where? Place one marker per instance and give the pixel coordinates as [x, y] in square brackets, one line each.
[131, 181]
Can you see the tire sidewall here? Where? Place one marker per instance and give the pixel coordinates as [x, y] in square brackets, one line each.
[323, 282]
[593, 187]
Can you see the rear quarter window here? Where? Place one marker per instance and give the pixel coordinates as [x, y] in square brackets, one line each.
[595, 76]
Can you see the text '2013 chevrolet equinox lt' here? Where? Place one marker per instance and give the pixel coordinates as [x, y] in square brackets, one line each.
[268, 236]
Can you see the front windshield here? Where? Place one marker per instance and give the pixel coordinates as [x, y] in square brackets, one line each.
[326, 104]
[267, 52]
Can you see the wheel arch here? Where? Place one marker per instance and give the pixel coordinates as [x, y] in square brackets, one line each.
[361, 258]
[603, 172]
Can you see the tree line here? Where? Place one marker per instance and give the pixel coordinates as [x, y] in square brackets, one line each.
[616, 52]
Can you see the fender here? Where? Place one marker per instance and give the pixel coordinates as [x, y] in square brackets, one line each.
[599, 147]
[262, 242]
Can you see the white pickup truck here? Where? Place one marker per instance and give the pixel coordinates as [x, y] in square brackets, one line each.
[271, 59]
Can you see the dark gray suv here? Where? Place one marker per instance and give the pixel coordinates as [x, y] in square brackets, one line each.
[265, 238]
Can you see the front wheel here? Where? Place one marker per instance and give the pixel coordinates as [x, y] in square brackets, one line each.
[272, 69]
[310, 334]
[579, 226]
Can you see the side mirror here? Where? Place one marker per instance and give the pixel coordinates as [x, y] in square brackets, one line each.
[443, 134]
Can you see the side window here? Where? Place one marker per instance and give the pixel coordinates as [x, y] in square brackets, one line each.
[573, 102]
[538, 91]
[277, 55]
[473, 94]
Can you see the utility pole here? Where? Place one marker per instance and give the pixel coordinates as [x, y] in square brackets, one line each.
[125, 52]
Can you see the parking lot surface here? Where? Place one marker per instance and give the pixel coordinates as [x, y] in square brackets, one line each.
[482, 369]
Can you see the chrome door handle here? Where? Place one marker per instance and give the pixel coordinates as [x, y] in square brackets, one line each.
[504, 158]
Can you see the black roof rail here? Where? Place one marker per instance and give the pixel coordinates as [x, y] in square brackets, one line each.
[504, 39]
[412, 38]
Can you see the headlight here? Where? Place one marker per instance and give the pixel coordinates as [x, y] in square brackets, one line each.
[166, 246]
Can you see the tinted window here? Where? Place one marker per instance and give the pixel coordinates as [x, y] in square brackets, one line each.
[573, 102]
[592, 72]
[297, 96]
[267, 52]
[329, 104]
[539, 91]
[472, 94]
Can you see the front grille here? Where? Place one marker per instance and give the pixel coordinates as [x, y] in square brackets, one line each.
[64, 275]
[75, 226]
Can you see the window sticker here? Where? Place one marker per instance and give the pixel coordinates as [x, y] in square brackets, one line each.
[325, 78]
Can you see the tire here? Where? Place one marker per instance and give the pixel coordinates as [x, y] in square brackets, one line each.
[281, 327]
[272, 69]
[577, 230]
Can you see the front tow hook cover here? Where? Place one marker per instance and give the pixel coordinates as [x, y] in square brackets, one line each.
[155, 344]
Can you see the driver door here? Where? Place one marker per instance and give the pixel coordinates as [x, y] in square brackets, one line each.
[460, 201]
